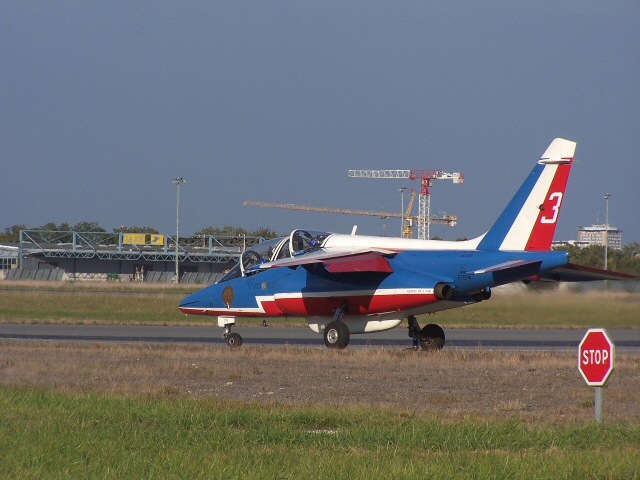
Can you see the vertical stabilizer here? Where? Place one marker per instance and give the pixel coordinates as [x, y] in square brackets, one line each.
[530, 219]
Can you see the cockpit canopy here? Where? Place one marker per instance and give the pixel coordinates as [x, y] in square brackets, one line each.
[298, 243]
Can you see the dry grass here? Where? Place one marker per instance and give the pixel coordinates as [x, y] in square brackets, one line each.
[537, 386]
[515, 306]
[90, 286]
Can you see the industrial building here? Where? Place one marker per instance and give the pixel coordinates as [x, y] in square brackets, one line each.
[43, 255]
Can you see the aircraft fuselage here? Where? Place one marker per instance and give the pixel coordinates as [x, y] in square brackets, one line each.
[312, 291]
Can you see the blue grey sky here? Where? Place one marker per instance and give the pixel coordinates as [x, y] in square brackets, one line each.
[103, 103]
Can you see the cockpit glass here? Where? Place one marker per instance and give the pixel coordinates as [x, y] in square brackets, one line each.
[298, 243]
[285, 251]
[259, 254]
[231, 274]
[305, 241]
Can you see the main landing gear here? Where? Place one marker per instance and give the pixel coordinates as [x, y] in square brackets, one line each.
[336, 333]
[430, 337]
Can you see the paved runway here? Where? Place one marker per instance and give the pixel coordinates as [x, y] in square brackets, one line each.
[626, 341]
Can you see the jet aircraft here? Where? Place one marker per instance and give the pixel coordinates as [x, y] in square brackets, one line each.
[353, 284]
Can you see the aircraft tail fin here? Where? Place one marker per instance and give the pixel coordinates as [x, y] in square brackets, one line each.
[529, 220]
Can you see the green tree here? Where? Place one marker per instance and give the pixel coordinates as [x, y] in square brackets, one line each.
[136, 229]
[50, 232]
[226, 230]
[266, 233]
[49, 227]
[85, 226]
[12, 234]
[626, 260]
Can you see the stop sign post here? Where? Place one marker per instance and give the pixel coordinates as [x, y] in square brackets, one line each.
[596, 356]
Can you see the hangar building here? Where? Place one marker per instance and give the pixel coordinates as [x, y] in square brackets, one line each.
[121, 256]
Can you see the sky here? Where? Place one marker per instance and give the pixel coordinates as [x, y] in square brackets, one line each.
[102, 104]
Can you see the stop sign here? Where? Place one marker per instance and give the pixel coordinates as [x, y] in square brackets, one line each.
[596, 356]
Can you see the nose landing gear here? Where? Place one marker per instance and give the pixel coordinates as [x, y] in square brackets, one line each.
[234, 339]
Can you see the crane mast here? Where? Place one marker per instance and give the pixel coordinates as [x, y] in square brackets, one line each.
[424, 199]
[407, 219]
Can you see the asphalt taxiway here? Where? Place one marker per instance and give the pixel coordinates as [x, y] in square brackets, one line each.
[626, 340]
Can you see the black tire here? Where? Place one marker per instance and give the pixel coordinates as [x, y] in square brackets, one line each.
[432, 337]
[336, 335]
[234, 340]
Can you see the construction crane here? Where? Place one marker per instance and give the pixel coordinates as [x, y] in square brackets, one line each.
[449, 220]
[424, 203]
[407, 219]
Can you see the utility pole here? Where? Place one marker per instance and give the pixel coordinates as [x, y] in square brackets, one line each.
[606, 228]
[401, 190]
[177, 181]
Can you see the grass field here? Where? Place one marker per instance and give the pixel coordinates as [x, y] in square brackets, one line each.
[52, 435]
[141, 304]
[138, 411]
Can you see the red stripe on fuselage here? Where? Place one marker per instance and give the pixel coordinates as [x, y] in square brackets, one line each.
[356, 304]
[305, 306]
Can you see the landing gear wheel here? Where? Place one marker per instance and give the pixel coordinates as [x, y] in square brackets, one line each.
[234, 340]
[432, 337]
[336, 335]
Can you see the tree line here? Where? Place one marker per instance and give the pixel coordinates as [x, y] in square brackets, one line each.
[626, 260]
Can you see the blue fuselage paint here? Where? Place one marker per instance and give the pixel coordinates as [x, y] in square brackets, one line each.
[414, 272]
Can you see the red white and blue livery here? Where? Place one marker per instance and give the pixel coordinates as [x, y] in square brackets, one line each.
[351, 284]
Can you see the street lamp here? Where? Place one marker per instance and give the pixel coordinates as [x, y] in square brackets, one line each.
[606, 228]
[177, 181]
[401, 190]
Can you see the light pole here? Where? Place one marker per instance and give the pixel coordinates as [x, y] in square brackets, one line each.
[177, 181]
[401, 190]
[606, 228]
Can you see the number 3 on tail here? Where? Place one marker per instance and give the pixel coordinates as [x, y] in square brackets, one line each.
[556, 208]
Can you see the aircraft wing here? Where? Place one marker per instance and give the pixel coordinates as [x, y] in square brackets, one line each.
[579, 273]
[363, 262]
[360, 260]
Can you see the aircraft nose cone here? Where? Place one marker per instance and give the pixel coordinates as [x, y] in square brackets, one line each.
[198, 299]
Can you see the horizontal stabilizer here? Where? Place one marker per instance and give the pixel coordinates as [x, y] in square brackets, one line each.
[510, 265]
[579, 273]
